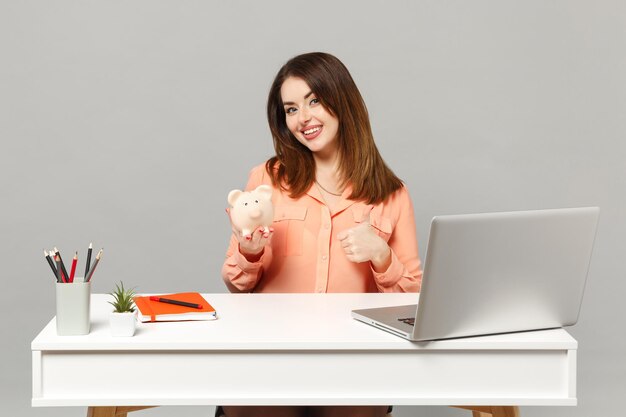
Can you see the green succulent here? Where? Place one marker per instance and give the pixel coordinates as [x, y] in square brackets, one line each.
[123, 299]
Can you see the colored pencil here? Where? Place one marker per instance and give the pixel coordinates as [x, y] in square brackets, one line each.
[51, 263]
[59, 273]
[88, 263]
[66, 277]
[73, 270]
[93, 267]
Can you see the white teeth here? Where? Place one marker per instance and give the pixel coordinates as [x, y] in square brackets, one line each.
[315, 129]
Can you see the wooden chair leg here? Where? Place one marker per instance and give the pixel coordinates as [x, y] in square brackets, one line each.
[509, 411]
[491, 411]
[101, 411]
[122, 411]
[117, 411]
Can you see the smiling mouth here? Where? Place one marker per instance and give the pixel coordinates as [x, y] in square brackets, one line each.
[312, 133]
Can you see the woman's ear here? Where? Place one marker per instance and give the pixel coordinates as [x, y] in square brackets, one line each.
[233, 196]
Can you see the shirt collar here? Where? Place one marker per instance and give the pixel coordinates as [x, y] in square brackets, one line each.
[344, 203]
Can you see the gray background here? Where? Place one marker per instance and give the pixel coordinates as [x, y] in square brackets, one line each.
[126, 123]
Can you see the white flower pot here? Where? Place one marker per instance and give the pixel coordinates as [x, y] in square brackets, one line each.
[123, 324]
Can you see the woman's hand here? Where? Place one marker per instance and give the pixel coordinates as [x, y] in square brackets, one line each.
[362, 244]
[251, 246]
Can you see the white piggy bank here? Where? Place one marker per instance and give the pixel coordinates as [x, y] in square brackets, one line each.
[251, 209]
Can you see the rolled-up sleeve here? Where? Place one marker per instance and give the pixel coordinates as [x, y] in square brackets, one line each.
[405, 271]
[239, 274]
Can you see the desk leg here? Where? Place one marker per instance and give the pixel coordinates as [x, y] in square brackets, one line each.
[492, 411]
[113, 411]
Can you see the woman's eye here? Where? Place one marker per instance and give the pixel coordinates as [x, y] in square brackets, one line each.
[256, 201]
[315, 101]
[290, 110]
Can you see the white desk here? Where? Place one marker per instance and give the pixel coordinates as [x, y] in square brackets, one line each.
[269, 349]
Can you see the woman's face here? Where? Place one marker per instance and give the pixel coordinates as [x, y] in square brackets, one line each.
[307, 119]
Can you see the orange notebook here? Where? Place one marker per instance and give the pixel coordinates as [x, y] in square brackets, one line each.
[150, 310]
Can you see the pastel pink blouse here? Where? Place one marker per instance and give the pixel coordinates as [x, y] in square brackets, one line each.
[305, 255]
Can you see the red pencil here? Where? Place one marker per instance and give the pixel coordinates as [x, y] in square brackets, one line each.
[74, 262]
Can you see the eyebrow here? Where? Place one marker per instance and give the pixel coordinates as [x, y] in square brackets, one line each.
[289, 103]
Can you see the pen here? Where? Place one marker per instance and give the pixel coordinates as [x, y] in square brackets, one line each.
[88, 260]
[93, 267]
[66, 278]
[51, 263]
[178, 303]
[73, 270]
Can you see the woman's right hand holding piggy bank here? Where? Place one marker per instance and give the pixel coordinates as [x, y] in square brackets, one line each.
[251, 215]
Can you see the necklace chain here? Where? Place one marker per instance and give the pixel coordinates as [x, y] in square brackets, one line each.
[329, 192]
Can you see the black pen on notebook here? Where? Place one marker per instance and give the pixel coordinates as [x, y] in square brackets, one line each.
[178, 303]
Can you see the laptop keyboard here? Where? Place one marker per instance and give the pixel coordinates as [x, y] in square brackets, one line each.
[408, 320]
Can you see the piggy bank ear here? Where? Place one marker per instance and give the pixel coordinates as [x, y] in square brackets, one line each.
[233, 196]
[264, 191]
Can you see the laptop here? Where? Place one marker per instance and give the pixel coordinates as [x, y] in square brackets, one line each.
[497, 273]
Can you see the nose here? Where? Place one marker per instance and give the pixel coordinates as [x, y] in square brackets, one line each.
[304, 116]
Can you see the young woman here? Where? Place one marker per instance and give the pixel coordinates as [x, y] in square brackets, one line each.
[343, 222]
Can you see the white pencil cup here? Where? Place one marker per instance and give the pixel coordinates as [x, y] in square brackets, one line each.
[73, 300]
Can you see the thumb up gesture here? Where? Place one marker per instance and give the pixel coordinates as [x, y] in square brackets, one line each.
[362, 244]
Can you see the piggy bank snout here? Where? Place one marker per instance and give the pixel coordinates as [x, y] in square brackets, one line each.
[255, 213]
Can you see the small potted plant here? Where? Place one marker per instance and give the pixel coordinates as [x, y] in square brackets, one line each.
[124, 315]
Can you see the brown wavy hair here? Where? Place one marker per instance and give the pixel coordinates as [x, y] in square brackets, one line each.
[360, 163]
